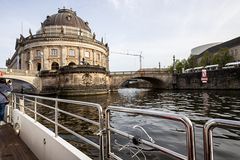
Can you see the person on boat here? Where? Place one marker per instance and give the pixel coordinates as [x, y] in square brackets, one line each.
[5, 89]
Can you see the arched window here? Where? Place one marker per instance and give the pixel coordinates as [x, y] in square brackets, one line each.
[55, 66]
[39, 66]
[71, 64]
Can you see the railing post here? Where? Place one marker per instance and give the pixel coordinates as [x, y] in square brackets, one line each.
[35, 109]
[108, 139]
[56, 118]
[208, 134]
[15, 101]
[21, 104]
[101, 143]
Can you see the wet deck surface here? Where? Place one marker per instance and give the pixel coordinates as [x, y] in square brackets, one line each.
[12, 147]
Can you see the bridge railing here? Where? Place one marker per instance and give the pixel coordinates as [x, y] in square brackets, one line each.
[20, 72]
[161, 71]
[3, 69]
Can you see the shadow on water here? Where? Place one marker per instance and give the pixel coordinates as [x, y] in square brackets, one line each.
[198, 106]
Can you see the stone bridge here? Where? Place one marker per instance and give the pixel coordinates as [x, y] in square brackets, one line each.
[160, 79]
[22, 75]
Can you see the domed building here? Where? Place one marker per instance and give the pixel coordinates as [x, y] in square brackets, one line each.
[64, 52]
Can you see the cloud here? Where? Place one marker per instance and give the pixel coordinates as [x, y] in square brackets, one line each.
[124, 3]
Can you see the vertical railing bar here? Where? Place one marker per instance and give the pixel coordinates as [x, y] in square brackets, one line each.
[101, 137]
[35, 108]
[23, 105]
[108, 138]
[208, 134]
[56, 118]
[15, 101]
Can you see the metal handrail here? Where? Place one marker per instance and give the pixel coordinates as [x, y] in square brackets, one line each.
[190, 141]
[100, 123]
[208, 134]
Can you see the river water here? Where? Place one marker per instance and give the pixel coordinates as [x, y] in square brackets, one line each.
[198, 106]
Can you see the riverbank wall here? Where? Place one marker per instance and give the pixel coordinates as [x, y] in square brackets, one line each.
[87, 80]
[217, 79]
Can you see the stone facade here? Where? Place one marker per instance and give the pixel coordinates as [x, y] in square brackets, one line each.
[217, 79]
[64, 39]
[75, 80]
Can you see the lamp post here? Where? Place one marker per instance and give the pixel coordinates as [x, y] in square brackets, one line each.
[174, 64]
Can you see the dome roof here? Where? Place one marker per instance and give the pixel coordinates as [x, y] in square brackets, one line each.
[66, 17]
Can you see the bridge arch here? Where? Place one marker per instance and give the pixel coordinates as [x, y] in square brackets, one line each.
[33, 82]
[155, 82]
[159, 79]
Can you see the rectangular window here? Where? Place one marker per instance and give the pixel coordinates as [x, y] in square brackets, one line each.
[87, 55]
[54, 52]
[71, 53]
[38, 53]
[98, 57]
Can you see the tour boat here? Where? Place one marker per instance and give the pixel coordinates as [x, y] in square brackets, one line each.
[25, 129]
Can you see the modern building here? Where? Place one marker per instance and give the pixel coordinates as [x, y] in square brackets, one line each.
[66, 53]
[233, 47]
[200, 49]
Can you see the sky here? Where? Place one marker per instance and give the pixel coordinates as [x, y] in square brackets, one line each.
[157, 29]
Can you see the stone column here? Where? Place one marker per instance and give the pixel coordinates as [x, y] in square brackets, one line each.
[64, 55]
[93, 58]
[45, 54]
[61, 56]
[18, 65]
[107, 62]
[22, 60]
[79, 55]
[31, 59]
[100, 59]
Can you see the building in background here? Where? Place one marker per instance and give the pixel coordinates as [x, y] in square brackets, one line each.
[66, 55]
[63, 39]
[231, 48]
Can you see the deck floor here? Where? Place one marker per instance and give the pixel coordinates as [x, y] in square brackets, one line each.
[12, 147]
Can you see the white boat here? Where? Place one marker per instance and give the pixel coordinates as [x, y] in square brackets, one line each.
[48, 145]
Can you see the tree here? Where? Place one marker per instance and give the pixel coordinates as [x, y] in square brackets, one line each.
[179, 65]
[185, 63]
[222, 57]
[207, 59]
[192, 62]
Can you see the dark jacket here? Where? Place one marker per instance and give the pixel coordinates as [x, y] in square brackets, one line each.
[5, 89]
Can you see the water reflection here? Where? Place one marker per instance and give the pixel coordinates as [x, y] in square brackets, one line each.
[199, 106]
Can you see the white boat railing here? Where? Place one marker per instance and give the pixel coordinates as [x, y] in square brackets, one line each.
[18, 101]
[191, 155]
[208, 134]
[105, 129]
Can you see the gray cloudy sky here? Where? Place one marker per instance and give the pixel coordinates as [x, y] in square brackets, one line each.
[157, 28]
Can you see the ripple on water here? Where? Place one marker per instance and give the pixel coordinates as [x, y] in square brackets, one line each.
[199, 106]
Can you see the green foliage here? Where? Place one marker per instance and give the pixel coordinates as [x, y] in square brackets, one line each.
[179, 65]
[207, 59]
[222, 57]
[192, 62]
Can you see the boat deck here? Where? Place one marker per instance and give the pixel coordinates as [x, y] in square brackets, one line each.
[12, 147]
